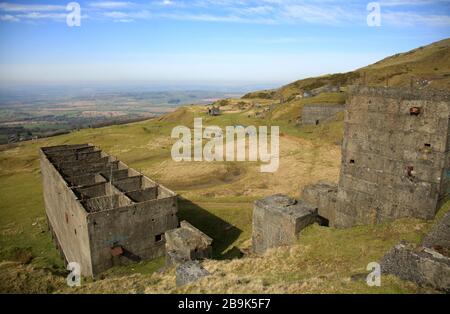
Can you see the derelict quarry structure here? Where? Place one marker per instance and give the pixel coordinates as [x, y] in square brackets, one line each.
[395, 164]
[101, 212]
[395, 158]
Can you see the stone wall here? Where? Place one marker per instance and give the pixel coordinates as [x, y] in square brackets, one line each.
[187, 243]
[101, 212]
[318, 113]
[277, 221]
[66, 216]
[137, 228]
[395, 156]
[323, 196]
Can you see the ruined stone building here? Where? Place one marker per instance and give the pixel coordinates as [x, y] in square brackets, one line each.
[102, 213]
[187, 243]
[395, 164]
[395, 158]
[316, 114]
[214, 111]
[278, 220]
[427, 264]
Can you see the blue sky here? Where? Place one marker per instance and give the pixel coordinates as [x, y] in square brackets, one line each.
[265, 41]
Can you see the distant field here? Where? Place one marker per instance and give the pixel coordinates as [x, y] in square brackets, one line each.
[24, 119]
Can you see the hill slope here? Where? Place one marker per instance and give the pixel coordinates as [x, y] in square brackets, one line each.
[430, 63]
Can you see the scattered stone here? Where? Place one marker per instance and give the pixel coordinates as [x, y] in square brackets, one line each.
[189, 272]
[277, 221]
[421, 265]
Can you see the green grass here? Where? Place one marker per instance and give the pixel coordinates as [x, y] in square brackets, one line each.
[22, 219]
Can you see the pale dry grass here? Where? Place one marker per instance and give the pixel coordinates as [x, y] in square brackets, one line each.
[301, 163]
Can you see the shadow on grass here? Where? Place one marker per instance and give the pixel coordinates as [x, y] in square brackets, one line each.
[223, 233]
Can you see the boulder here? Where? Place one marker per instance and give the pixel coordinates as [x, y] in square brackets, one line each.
[189, 272]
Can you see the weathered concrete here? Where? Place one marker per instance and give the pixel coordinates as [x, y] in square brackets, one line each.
[277, 221]
[147, 194]
[186, 243]
[322, 196]
[189, 272]
[395, 156]
[424, 266]
[318, 113]
[93, 221]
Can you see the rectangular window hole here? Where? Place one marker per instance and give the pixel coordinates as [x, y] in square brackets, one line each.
[352, 161]
[159, 237]
[427, 145]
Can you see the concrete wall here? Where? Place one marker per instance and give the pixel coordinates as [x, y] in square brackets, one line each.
[394, 163]
[136, 228]
[277, 220]
[186, 243]
[66, 216]
[323, 196]
[318, 113]
[98, 223]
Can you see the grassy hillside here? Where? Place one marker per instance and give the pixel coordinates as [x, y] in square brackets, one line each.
[218, 195]
[217, 198]
[429, 63]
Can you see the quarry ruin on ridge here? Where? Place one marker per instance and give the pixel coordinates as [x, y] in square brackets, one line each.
[395, 164]
[102, 213]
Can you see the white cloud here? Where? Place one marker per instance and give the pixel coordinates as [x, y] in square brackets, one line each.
[13, 7]
[9, 18]
[42, 16]
[126, 17]
[320, 12]
[110, 4]
[394, 3]
[411, 19]
[124, 20]
[216, 18]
